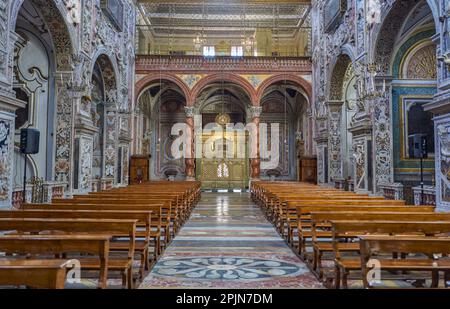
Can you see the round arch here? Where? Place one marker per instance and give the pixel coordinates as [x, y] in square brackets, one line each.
[302, 83]
[144, 83]
[392, 21]
[109, 72]
[63, 37]
[340, 66]
[104, 53]
[228, 77]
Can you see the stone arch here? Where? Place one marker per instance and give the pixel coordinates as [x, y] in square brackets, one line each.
[409, 48]
[144, 83]
[385, 34]
[228, 77]
[62, 34]
[302, 83]
[104, 55]
[109, 71]
[337, 77]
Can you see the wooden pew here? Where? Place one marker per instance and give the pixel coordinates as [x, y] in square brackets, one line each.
[34, 273]
[95, 202]
[88, 226]
[98, 245]
[319, 220]
[288, 213]
[344, 230]
[156, 213]
[143, 219]
[428, 246]
[303, 219]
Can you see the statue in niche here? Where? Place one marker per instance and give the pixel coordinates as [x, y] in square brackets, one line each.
[146, 142]
[300, 144]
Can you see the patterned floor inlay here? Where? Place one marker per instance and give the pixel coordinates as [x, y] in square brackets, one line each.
[227, 243]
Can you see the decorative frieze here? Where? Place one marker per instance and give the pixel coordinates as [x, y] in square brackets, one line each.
[200, 64]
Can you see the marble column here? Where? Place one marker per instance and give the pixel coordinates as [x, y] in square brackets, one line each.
[190, 158]
[255, 162]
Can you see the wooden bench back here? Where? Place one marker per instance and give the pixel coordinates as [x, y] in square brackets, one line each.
[332, 202]
[345, 228]
[318, 217]
[371, 244]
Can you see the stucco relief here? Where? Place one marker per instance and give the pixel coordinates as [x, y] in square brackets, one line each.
[86, 149]
[6, 148]
[443, 173]
[359, 159]
[382, 142]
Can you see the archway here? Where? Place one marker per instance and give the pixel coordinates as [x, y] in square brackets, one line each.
[223, 162]
[160, 105]
[285, 102]
[43, 47]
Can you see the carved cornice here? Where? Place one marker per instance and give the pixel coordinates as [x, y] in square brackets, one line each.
[361, 128]
[10, 104]
[200, 64]
[334, 105]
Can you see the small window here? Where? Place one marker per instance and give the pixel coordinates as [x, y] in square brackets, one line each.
[237, 51]
[209, 51]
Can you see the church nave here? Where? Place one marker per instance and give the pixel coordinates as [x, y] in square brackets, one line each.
[227, 243]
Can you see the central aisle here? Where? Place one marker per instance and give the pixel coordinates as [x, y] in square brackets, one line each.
[227, 243]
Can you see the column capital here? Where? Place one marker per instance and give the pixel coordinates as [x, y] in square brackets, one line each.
[189, 111]
[255, 111]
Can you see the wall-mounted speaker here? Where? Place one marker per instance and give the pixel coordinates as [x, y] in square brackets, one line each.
[417, 146]
[29, 141]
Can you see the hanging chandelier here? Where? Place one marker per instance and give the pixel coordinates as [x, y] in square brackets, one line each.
[200, 39]
[247, 42]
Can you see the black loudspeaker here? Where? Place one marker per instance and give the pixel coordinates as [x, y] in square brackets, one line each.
[29, 141]
[417, 146]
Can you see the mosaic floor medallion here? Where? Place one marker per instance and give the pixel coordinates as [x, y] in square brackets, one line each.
[228, 243]
[226, 268]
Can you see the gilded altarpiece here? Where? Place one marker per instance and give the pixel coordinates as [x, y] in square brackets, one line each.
[228, 170]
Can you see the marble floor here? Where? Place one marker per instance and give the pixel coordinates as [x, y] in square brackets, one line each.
[227, 243]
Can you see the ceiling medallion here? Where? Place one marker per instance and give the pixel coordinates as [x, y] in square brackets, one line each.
[223, 119]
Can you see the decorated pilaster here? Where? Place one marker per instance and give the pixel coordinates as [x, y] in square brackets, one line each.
[84, 140]
[190, 161]
[8, 106]
[334, 140]
[66, 101]
[382, 139]
[255, 162]
[110, 143]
